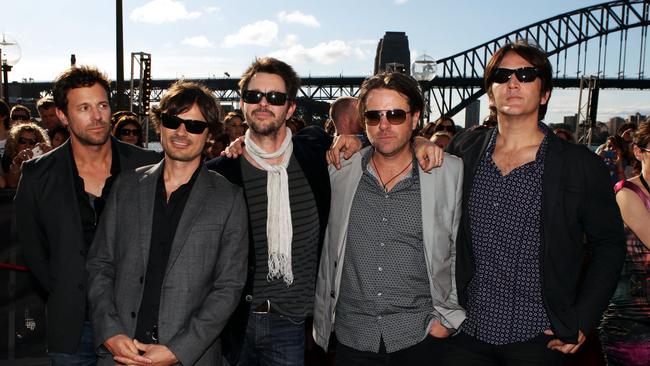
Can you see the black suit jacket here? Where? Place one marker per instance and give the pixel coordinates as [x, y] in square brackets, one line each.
[50, 232]
[309, 147]
[577, 203]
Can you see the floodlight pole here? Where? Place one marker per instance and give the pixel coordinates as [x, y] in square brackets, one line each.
[119, 37]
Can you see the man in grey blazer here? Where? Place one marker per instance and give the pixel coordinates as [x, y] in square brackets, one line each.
[386, 278]
[168, 262]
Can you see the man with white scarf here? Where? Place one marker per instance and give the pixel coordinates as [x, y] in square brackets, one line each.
[286, 185]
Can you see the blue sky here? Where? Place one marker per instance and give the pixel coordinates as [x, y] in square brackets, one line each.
[198, 39]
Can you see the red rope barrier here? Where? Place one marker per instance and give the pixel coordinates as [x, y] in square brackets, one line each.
[13, 267]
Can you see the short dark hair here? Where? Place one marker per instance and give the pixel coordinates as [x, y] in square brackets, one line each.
[77, 77]
[45, 103]
[20, 107]
[181, 96]
[274, 66]
[642, 134]
[340, 104]
[396, 81]
[531, 53]
[441, 120]
[4, 112]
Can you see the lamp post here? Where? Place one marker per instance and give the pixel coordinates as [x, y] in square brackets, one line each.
[10, 55]
[424, 71]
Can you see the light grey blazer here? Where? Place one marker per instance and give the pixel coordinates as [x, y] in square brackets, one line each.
[441, 205]
[205, 272]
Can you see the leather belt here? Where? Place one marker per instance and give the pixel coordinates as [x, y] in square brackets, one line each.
[265, 308]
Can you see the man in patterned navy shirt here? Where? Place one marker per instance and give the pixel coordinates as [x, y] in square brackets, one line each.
[529, 198]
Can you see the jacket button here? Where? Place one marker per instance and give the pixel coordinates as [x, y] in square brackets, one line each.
[133, 314]
[332, 293]
[249, 298]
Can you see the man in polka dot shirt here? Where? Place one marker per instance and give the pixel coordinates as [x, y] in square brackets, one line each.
[529, 199]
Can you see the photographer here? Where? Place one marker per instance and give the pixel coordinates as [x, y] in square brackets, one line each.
[618, 158]
[26, 141]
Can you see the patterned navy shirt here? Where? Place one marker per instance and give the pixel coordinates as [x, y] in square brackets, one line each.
[505, 303]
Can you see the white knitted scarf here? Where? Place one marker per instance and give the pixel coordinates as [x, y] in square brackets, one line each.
[279, 230]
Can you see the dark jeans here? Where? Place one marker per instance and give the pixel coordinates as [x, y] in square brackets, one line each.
[427, 352]
[273, 339]
[465, 350]
[85, 355]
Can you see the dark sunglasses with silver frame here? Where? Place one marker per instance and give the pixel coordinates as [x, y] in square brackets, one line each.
[394, 116]
[174, 122]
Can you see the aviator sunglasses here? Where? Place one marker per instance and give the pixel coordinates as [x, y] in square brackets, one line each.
[394, 116]
[134, 131]
[524, 74]
[272, 97]
[191, 126]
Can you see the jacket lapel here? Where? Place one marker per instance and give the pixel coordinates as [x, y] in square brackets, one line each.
[146, 198]
[193, 206]
[553, 163]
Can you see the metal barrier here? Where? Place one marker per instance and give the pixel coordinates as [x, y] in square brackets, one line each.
[22, 307]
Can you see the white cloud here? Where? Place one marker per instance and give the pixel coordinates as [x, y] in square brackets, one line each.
[400, 2]
[289, 40]
[298, 18]
[198, 41]
[260, 33]
[211, 9]
[325, 53]
[162, 11]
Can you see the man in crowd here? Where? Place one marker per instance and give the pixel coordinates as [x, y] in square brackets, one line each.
[58, 203]
[168, 262]
[385, 284]
[47, 112]
[4, 126]
[343, 112]
[529, 199]
[20, 114]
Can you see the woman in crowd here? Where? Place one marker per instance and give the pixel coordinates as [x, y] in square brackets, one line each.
[128, 129]
[446, 124]
[26, 141]
[58, 136]
[618, 158]
[234, 125]
[625, 330]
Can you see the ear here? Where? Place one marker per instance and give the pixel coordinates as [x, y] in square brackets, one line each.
[62, 117]
[292, 108]
[638, 154]
[415, 119]
[545, 98]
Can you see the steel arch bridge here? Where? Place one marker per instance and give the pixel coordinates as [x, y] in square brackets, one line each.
[579, 43]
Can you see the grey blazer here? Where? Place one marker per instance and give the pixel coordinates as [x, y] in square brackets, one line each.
[441, 201]
[205, 272]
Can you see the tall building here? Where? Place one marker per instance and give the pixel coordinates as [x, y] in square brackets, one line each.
[473, 114]
[635, 118]
[571, 122]
[613, 124]
[393, 53]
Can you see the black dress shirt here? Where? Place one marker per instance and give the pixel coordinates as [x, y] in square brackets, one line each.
[166, 215]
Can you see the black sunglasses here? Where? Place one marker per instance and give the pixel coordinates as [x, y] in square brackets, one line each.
[272, 97]
[447, 128]
[191, 126]
[524, 74]
[394, 116]
[129, 132]
[17, 117]
[25, 141]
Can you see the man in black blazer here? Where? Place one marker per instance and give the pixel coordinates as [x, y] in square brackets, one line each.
[59, 201]
[529, 199]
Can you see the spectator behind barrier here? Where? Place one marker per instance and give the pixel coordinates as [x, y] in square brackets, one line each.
[447, 124]
[47, 111]
[128, 129]
[625, 329]
[58, 136]
[4, 127]
[20, 114]
[564, 134]
[618, 158]
[26, 141]
[234, 125]
[344, 116]
[295, 124]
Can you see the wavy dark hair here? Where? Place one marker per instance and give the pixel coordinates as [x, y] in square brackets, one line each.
[77, 77]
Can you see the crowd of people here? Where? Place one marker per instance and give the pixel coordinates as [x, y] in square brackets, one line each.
[503, 244]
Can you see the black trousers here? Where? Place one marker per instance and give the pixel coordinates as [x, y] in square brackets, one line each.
[427, 352]
[465, 350]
